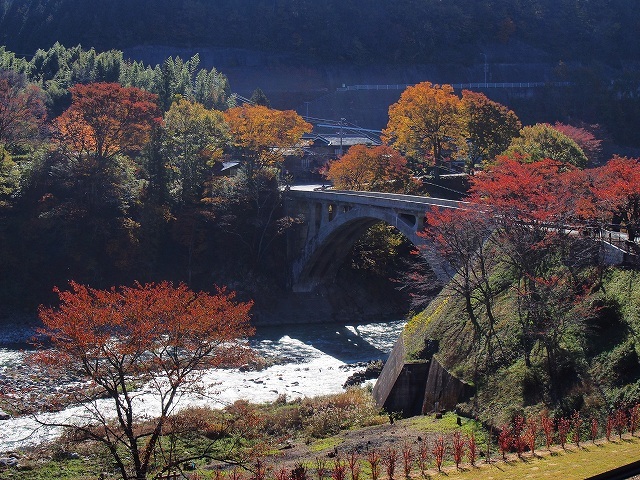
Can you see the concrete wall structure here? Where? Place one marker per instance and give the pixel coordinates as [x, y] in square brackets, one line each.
[417, 387]
[443, 391]
[400, 387]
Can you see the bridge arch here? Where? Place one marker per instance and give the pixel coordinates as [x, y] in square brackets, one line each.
[334, 221]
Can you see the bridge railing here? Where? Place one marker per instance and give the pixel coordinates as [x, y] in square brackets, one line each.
[364, 197]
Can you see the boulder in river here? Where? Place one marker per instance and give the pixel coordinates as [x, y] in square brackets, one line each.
[8, 462]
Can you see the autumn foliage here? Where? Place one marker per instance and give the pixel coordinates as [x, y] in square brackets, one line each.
[531, 192]
[22, 112]
[534, 223]
[616, 187]
[426, 123]
[262, 134]
[106, 119]
[380, 169]
[490, 126]
[542, 141]
[584, 138]
[159, 334]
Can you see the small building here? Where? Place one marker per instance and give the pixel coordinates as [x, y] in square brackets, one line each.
[227, 168]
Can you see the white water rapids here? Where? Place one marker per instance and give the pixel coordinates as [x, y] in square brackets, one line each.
[312, 360]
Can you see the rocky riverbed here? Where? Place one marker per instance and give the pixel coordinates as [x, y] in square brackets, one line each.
[26, 389]
[310, 360]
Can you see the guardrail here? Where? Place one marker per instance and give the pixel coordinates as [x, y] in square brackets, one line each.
[458, 86]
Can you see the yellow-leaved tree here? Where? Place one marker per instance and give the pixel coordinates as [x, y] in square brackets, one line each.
[427, 125]
[262, 135]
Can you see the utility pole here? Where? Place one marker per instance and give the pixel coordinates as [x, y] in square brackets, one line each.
[342, 121]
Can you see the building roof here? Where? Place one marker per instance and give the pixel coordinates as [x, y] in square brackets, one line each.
[229, 165]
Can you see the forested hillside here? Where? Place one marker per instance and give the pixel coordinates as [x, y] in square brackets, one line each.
[534, 318]
[404, 31]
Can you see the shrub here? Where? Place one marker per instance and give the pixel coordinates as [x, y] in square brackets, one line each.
[235, 475]
[321, 468]
[609, 427]
[439, 451]
[472, 448]
[374, 463]
[260, 470]
[458, 448]
[283, 420]
[390, 460]
[281, 474]
[299, 472]
[354, 465]
[505, 440]
[576, 422]
[594, 429]
[339, 471]
[620, 422]
[407, 459]
[634, 417]
[423, 455]
[198, 420]
[326, 416]
[564, 425]
[517, 434]
[547, 427]
[531, 434]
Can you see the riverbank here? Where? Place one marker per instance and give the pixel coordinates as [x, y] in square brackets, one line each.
[305, 361]
[78, 461]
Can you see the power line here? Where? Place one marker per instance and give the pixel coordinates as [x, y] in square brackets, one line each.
[244, 99]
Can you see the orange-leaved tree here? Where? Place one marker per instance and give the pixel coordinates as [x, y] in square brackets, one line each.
[381, 169]
[158, 335]
[427, 124]
[262, 135]
[97, 135]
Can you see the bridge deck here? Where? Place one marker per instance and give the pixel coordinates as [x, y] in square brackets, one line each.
[393, 200]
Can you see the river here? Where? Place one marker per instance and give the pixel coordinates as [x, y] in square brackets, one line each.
[312, 360]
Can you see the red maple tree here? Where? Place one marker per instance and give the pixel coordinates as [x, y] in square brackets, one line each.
[534, 210]
[22, 112]
[154, 334]
[106, 119]
[616, 186]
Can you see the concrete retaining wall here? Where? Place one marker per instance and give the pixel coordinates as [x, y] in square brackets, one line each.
[612, 255]
[414, 388]
[443, 391]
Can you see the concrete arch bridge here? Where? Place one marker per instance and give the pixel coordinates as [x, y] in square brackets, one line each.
[335, 220]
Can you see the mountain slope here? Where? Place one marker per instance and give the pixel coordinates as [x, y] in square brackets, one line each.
[404, 31]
